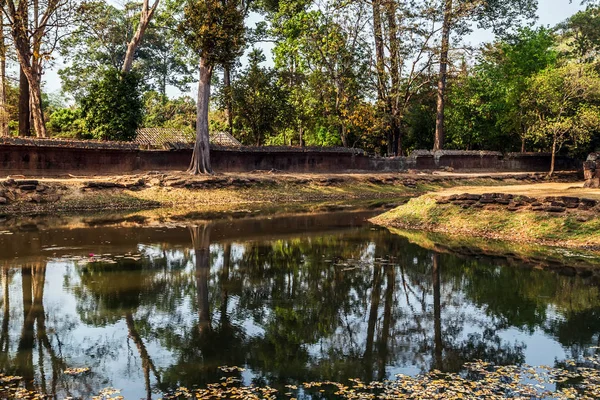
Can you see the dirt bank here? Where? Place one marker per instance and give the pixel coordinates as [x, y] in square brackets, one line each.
[20, 195]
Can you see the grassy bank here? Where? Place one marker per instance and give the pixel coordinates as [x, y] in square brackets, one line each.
[578, 228]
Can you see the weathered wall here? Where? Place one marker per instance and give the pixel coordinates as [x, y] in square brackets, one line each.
[473, 161]
[57, 160]
[33, 159]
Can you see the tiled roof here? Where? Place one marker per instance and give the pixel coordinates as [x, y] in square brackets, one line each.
[177, 138]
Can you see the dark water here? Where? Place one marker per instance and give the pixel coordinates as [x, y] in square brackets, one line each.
[289, 299]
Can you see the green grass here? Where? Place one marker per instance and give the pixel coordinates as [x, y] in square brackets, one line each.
[497, 223]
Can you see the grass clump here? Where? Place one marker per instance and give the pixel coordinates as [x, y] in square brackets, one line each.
[567, 229]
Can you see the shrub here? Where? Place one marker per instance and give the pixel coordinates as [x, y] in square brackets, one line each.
[113, 107]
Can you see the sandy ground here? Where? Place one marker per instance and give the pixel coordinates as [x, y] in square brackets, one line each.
[537, 190]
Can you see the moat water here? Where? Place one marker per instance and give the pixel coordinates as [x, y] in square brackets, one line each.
[289, 299]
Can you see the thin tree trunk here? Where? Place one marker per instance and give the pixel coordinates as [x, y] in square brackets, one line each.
[394, 74]
[523, 144]
[441, 92]
[382, 96]
[228, 98]
[343, 135]
[145, 18]
[200, 163]
[4, 113]
[24, 122]
[552, 162]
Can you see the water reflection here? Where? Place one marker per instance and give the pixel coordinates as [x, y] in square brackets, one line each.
[307, 299]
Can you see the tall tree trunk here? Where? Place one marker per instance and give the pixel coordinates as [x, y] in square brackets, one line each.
[441, 92]
[3, 112]
[37, 113]
[343, 135]
[382, 95]
[24, 122]
[145, 18]
[228, 98]
[394, 74]
[200, 163]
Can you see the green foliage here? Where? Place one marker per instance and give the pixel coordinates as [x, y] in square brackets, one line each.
[260, 102]
[563, 105]
[162, 112]
[100, 42]
[113, 107]
[66, 122]
[214, 29]
[485, 110]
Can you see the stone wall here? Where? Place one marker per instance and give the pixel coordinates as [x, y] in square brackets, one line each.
[30, 157]
[552, 204]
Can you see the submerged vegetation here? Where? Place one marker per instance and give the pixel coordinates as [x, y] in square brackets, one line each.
[480, 380]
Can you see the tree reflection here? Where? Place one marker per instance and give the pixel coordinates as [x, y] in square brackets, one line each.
[319, 307]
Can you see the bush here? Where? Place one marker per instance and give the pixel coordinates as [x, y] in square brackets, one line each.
[113, 107]
[66, 122]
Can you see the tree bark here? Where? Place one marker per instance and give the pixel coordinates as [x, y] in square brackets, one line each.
[200, 163]
[382, 96]
[394, 75]
[441, 92]
[4, 113]
[228, 98]
[553, 156]
[37, 113]
[145, 18]
[24, 122]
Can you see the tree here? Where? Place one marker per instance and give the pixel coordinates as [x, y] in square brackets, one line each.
[563, 106]
[100, 42]
[260, 100]
[112, 110]
[582, 33]
[215, 30]
[169, 113]
[484, 101]
[499, 15]
[36, 33]
[146, 14]
[4, 115]
[66, 122]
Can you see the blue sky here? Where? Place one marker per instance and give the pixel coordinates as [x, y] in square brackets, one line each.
[550, 12]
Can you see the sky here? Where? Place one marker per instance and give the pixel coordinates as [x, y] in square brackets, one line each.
[550, 13]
